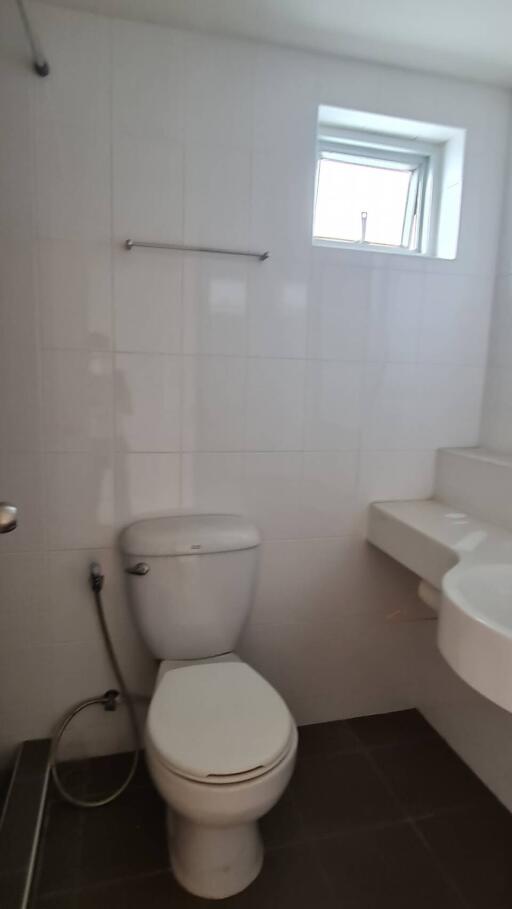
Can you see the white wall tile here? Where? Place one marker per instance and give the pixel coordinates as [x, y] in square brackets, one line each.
[147, 400]
[285, 101]
[73, 181]
[213, 403]
[215, 304]
[282, 202]
[271, 484]
[146, 485]
[148, 301]
[147, 188]
[450, 404]
[212, 480]
[387, 475]
[392, 407]
[78, 413]
[339, 306]
[422, 406]
[19, 401]
[79, 500]
[78, 49]
[29, 690]
[278, 308]
[334, 402]
[16, 154]
[328, 501]
[217, 196]
[455, 320]
[71, 612]
[23, 617]
[147, 80]
[301, 580]
[22, 484]
[18, 301]
[275, 405]
[395, 316]
[218, 93]
[500, 342]
[79, 663]
[75, 294]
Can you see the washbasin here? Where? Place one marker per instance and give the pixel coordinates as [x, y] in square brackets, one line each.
[475, 627]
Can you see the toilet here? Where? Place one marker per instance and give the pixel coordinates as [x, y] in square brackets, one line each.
[220, 741]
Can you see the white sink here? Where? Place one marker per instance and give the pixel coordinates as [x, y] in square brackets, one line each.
[475, 627]
[467, 565]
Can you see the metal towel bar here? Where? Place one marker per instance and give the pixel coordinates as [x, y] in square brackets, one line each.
[130, 244]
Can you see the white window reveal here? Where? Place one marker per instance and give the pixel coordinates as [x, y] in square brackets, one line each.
[391, 191]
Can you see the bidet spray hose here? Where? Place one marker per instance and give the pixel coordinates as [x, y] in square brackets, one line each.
[96, 580]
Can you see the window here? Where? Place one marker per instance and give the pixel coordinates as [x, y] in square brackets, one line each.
[366, 199]
[387, 190]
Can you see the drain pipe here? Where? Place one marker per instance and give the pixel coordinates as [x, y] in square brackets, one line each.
[40, 63]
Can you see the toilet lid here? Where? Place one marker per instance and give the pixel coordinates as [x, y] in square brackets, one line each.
[216, 721]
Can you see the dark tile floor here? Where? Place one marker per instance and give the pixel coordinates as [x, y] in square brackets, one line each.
[380, 814]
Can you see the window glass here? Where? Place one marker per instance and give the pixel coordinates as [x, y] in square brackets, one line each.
[357, 202]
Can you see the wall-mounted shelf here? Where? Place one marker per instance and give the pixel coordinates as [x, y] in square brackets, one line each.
[261, 256]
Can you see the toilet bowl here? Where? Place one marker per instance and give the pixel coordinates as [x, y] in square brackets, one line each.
[221, 747]
[220, 741]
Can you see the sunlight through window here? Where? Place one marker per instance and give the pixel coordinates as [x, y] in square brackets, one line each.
[362, 203]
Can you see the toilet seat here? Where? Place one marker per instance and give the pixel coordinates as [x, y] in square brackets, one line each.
[218, 723]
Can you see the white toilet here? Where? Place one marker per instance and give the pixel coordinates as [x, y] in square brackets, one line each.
[220, 741]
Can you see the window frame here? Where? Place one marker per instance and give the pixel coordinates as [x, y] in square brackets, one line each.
[365, 147]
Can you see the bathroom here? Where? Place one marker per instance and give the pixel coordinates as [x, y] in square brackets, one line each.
[144, 384]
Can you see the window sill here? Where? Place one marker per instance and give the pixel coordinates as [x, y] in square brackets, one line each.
[384, 250]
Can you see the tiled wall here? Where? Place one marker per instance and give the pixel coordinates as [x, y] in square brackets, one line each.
[294, 391]
[497, 411]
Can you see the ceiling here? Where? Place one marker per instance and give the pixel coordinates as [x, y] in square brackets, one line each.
[467, 38]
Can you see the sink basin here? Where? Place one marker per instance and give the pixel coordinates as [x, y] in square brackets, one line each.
[467, 565]
[475, 627]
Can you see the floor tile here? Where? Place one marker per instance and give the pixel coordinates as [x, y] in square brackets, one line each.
[283, 825]
[72, 776]
[338, 839]
[327, 738]
[428, 777]
[156, 891]
[391, 728]
[102, 775]
[475, 848]
[12, 886]
[339, 792]
[291, 878]
[64, 900]
[386, 868]
[126, 837]
[60, 851]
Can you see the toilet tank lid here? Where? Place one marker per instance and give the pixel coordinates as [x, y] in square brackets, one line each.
[183, 533]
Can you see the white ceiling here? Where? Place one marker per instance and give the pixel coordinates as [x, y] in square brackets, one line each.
[468, 38]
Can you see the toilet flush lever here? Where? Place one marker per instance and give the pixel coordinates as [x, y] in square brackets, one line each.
[141, 568]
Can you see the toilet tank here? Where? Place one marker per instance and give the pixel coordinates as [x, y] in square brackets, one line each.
[190, 581]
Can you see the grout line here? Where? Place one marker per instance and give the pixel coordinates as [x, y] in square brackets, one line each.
[444, 871]
[98, 885]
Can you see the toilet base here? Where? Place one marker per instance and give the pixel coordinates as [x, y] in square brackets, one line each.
[213, 862]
